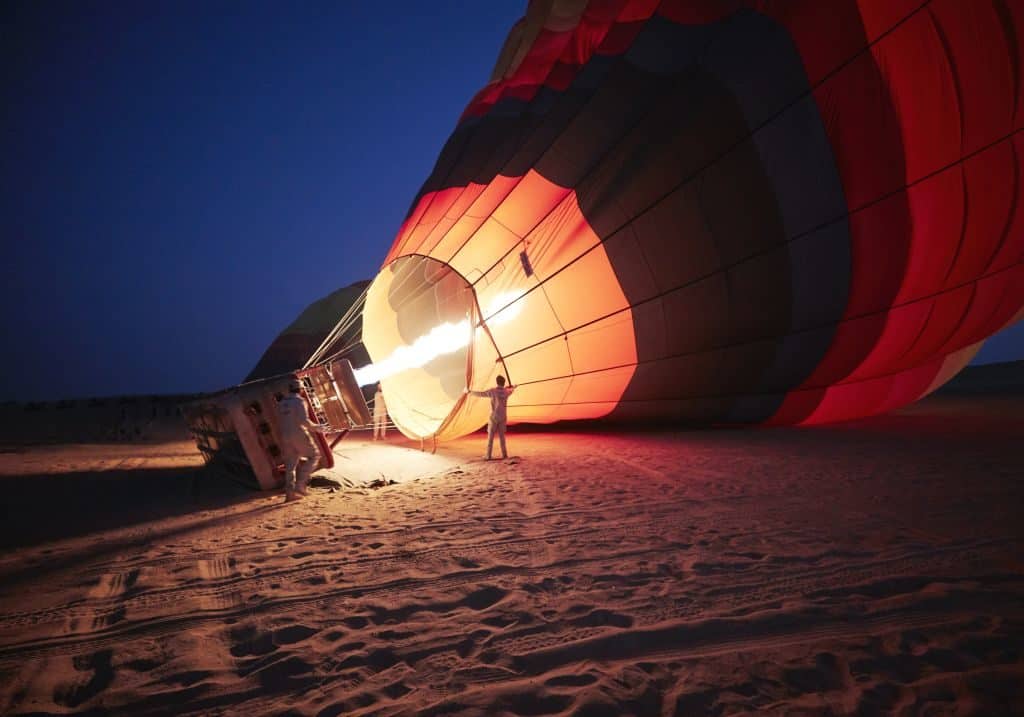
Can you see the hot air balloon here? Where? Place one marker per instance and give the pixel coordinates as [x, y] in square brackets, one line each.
[711, 210]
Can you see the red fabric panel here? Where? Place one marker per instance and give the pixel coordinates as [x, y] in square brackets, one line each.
[1011, 15]
[850, 401]
[534, 69]
[797, 407]
[554, 58]
[1019, 316]
[948, 311]
[638, 10]
[588, 34]
[937, 217]
[908, 386]
[619, 38]
[543, 54]
[865, 398]
[864, 131]
[981, 318]
[606, 26]
[524, 93]
[854, 339]
[917, 72]
[607, 11]
[826, 33]
[990, 197]
[561, 76]
[1013, 302]
[880, 16]
[483, 100]
[878, 253]
[902, 327]
[983, 59]
[887, 105]
[1011, 249]
[879, 258]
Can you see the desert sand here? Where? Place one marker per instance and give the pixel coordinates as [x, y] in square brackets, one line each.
[874, 567]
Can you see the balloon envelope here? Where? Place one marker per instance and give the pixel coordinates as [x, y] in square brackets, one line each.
[714, 211]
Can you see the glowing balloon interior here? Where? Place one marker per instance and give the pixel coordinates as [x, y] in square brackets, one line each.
[440, 340]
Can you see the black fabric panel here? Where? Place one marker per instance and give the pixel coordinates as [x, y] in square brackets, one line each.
[755, 58]
[721, 374]
[631, 265]
[759, 292]
[715, 195]
[482, 156]
[740, 207]
[753, 408]
[796, 355]
[820, 275]
[650, 319]
[675, 378]
[664, 48]
[499, 147]
[692, 410]
[611, 111]
[693, 121]
[763, 179]
[676, 240]
[591, 76]
[797, 156]
[561, 111]
[697, 316]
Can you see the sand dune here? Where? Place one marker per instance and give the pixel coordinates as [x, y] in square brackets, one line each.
[868, 568]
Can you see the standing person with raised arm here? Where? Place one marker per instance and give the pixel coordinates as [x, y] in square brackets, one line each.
[499, 415]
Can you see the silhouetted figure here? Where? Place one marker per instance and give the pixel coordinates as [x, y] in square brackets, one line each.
[380, 414]
[298, 448]
[499, 415]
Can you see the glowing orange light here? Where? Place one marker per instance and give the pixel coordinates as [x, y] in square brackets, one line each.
[443, 339]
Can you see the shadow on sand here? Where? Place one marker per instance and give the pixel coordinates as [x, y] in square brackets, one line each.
[45, 507]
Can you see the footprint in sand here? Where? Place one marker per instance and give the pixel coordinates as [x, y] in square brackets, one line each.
[101, 620]
[92, 675]
[113, 584]
[571, 680]
[216, 568]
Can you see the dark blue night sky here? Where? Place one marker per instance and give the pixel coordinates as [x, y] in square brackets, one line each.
[180, 179]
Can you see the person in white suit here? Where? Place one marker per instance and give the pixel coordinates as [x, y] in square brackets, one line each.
[298, 448]
[499, 414]
[380, 414]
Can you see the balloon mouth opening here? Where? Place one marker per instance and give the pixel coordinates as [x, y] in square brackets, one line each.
[418, 327]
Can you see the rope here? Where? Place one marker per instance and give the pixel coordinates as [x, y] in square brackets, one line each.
[345, 323]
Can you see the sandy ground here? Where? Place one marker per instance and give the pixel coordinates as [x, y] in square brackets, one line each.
[868, 568]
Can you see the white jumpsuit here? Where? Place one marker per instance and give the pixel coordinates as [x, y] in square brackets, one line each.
[298, 448]
[499, 416]
[380, 415]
